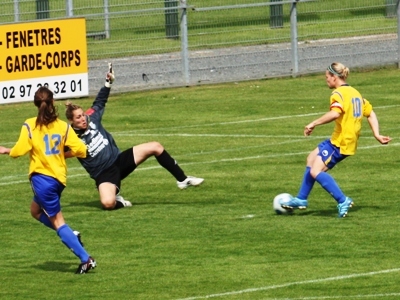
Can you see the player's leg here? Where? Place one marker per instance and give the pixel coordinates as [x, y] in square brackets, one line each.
[318, 171]
[143, 151]
[109, 198]
[47, 192]
[328, 156]
[308, 181]
[301, 200]
[68, 237]
[72, 242]
[330, 185]
[38, 214]
[107, 192]
[108, 183]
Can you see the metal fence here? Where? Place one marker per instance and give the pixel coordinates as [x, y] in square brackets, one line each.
[163, 43]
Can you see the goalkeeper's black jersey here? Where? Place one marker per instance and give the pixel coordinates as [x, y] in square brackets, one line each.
[102, 149]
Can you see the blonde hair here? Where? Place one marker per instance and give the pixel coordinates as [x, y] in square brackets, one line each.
[70, 108]
[339, 70]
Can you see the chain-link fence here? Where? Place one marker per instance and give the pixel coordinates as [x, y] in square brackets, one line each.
[161, 43]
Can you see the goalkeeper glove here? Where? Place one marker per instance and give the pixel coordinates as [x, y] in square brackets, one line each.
[110, 77]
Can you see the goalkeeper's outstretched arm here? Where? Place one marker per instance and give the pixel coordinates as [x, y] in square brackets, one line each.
[110, 77]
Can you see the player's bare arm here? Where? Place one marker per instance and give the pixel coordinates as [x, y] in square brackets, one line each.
[374, 124]
[68, 154]
[326, 118]
[4, 150]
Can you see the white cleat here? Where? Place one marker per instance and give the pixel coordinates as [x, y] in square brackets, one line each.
[124, 202]
[189, 181]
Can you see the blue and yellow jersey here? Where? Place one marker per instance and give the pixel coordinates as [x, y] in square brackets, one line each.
[46, 147]
[352, 107]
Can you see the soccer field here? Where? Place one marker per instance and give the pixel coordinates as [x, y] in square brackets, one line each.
[221, 240]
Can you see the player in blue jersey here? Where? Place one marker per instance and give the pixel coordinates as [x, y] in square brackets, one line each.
[44, 138]
[105, 163]
[347, 108]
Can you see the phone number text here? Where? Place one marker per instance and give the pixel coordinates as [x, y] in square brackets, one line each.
[28, 90]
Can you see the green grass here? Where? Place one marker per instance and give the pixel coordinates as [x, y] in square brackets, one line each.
[144, 32]
[246, 140]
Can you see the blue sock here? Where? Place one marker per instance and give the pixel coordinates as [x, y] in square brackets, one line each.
[71, 241]
[330, 185]
[306, 185]
[44, 219]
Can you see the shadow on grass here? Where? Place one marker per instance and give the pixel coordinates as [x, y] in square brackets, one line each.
[97, 204]
[174, 203]
[324, 212]
[91, 203]
[57, 266]
[319, 213]
[369, 11]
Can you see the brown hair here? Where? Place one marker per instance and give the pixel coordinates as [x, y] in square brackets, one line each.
[44, 101]
[339, 70]
[69, 110]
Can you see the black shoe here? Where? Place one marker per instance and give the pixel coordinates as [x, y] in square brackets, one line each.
[78, 235]
[86, 266]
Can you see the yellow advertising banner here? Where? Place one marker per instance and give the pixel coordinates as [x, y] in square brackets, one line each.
[41, 49]
[51, 53]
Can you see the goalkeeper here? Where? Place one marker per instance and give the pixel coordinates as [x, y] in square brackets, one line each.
[105, 163]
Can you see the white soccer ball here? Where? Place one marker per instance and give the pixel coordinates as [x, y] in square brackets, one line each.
[284, 197]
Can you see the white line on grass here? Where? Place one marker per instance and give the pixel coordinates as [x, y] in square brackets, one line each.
[252, 290]
[14, 182]
[340, 297]
[263, 136]
[210, 135]
[223, 123]
[128, 133]
[223, 160]
[240, 122]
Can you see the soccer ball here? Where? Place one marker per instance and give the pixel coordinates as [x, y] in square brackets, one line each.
[284, 197]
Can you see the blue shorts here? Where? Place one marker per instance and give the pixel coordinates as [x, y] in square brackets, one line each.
[47, 193]
[330, 154]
